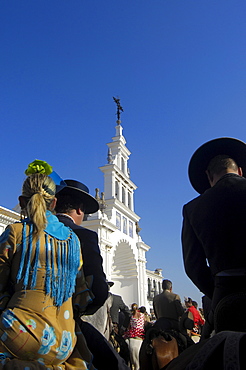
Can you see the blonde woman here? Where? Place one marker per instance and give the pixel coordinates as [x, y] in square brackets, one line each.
[39, 261]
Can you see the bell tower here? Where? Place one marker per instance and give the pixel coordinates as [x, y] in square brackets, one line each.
[118, 187]
[116, 223]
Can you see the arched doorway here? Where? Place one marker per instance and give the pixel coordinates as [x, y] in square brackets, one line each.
[125, 272]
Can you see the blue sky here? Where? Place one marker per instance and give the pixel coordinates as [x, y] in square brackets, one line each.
[178, 67]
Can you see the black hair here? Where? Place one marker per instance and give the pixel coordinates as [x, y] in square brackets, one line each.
[221, 163]
[167, 284]
[66, 203]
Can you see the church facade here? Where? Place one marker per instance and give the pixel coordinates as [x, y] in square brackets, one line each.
[117, 225]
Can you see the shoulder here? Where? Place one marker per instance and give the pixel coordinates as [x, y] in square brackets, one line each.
[231, 177]
[171, 296]
[85, 233]
[191, 204]
[174, 297]
[15, 228]
[116, 297]
[158, 297]
[10, 229]
[177, 296]
[12, 234]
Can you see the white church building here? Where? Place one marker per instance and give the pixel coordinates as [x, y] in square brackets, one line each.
[122, 248]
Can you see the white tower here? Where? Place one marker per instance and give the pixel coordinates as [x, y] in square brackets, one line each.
[116, 223]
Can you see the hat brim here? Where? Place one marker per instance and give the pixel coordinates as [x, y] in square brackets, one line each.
[223, 318]
[90, 203]
[199, 161]
[186, 322]
[110, 283]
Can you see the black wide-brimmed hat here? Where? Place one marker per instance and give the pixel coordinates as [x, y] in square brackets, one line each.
[110, 283]
[224, 317]
[234, 148]
[81, 191]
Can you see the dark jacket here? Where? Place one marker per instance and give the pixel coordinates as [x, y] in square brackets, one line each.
[214, 232]
[92, 263]
[118, 306]
[168, 305]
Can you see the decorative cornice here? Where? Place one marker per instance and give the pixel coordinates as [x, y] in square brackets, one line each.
[110, 168]
[8, 216]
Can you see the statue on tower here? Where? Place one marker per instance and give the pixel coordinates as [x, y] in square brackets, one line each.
[119, 108]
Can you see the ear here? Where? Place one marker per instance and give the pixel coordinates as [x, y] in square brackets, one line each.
[240, 171]
[210, 177]
[22, 202]
[53, 204]
[78, 211]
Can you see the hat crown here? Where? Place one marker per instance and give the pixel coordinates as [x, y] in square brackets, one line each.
[80, 190]
[77, 185]
[199, 161]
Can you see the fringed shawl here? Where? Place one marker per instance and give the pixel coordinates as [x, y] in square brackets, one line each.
[62, 263]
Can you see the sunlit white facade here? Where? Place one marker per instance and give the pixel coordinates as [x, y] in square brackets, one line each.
[122, 248]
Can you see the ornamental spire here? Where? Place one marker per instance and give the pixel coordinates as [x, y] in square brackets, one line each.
[119, 109]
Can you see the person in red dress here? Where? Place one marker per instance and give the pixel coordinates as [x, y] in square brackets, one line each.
[135, 334]
[197, 318]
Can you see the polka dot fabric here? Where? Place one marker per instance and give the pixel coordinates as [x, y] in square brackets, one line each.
[136, 328]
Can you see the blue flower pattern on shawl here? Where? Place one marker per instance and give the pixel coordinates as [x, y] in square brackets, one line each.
[66, 345]
[4, 355]
[48, 339]
[41, 361]
[22, 329]
[8, 318]
[31, 323]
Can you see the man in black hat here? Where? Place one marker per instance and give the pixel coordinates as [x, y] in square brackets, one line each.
[214, 223]
[73, 202]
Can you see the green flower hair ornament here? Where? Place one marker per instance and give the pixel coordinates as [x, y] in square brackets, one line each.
[38, 166]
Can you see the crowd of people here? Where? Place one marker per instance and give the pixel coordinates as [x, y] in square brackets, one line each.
[56, 308]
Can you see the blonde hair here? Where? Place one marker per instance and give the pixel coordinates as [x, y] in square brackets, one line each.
[39, 191]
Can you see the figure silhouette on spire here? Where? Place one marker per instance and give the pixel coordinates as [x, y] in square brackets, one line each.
[119, 107]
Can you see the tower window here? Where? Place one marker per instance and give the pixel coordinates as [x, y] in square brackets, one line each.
[123, 195]
[124, 225]
[122, 165]
[116, 190]
[130, 229]
[118, 220]
[129, 201]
